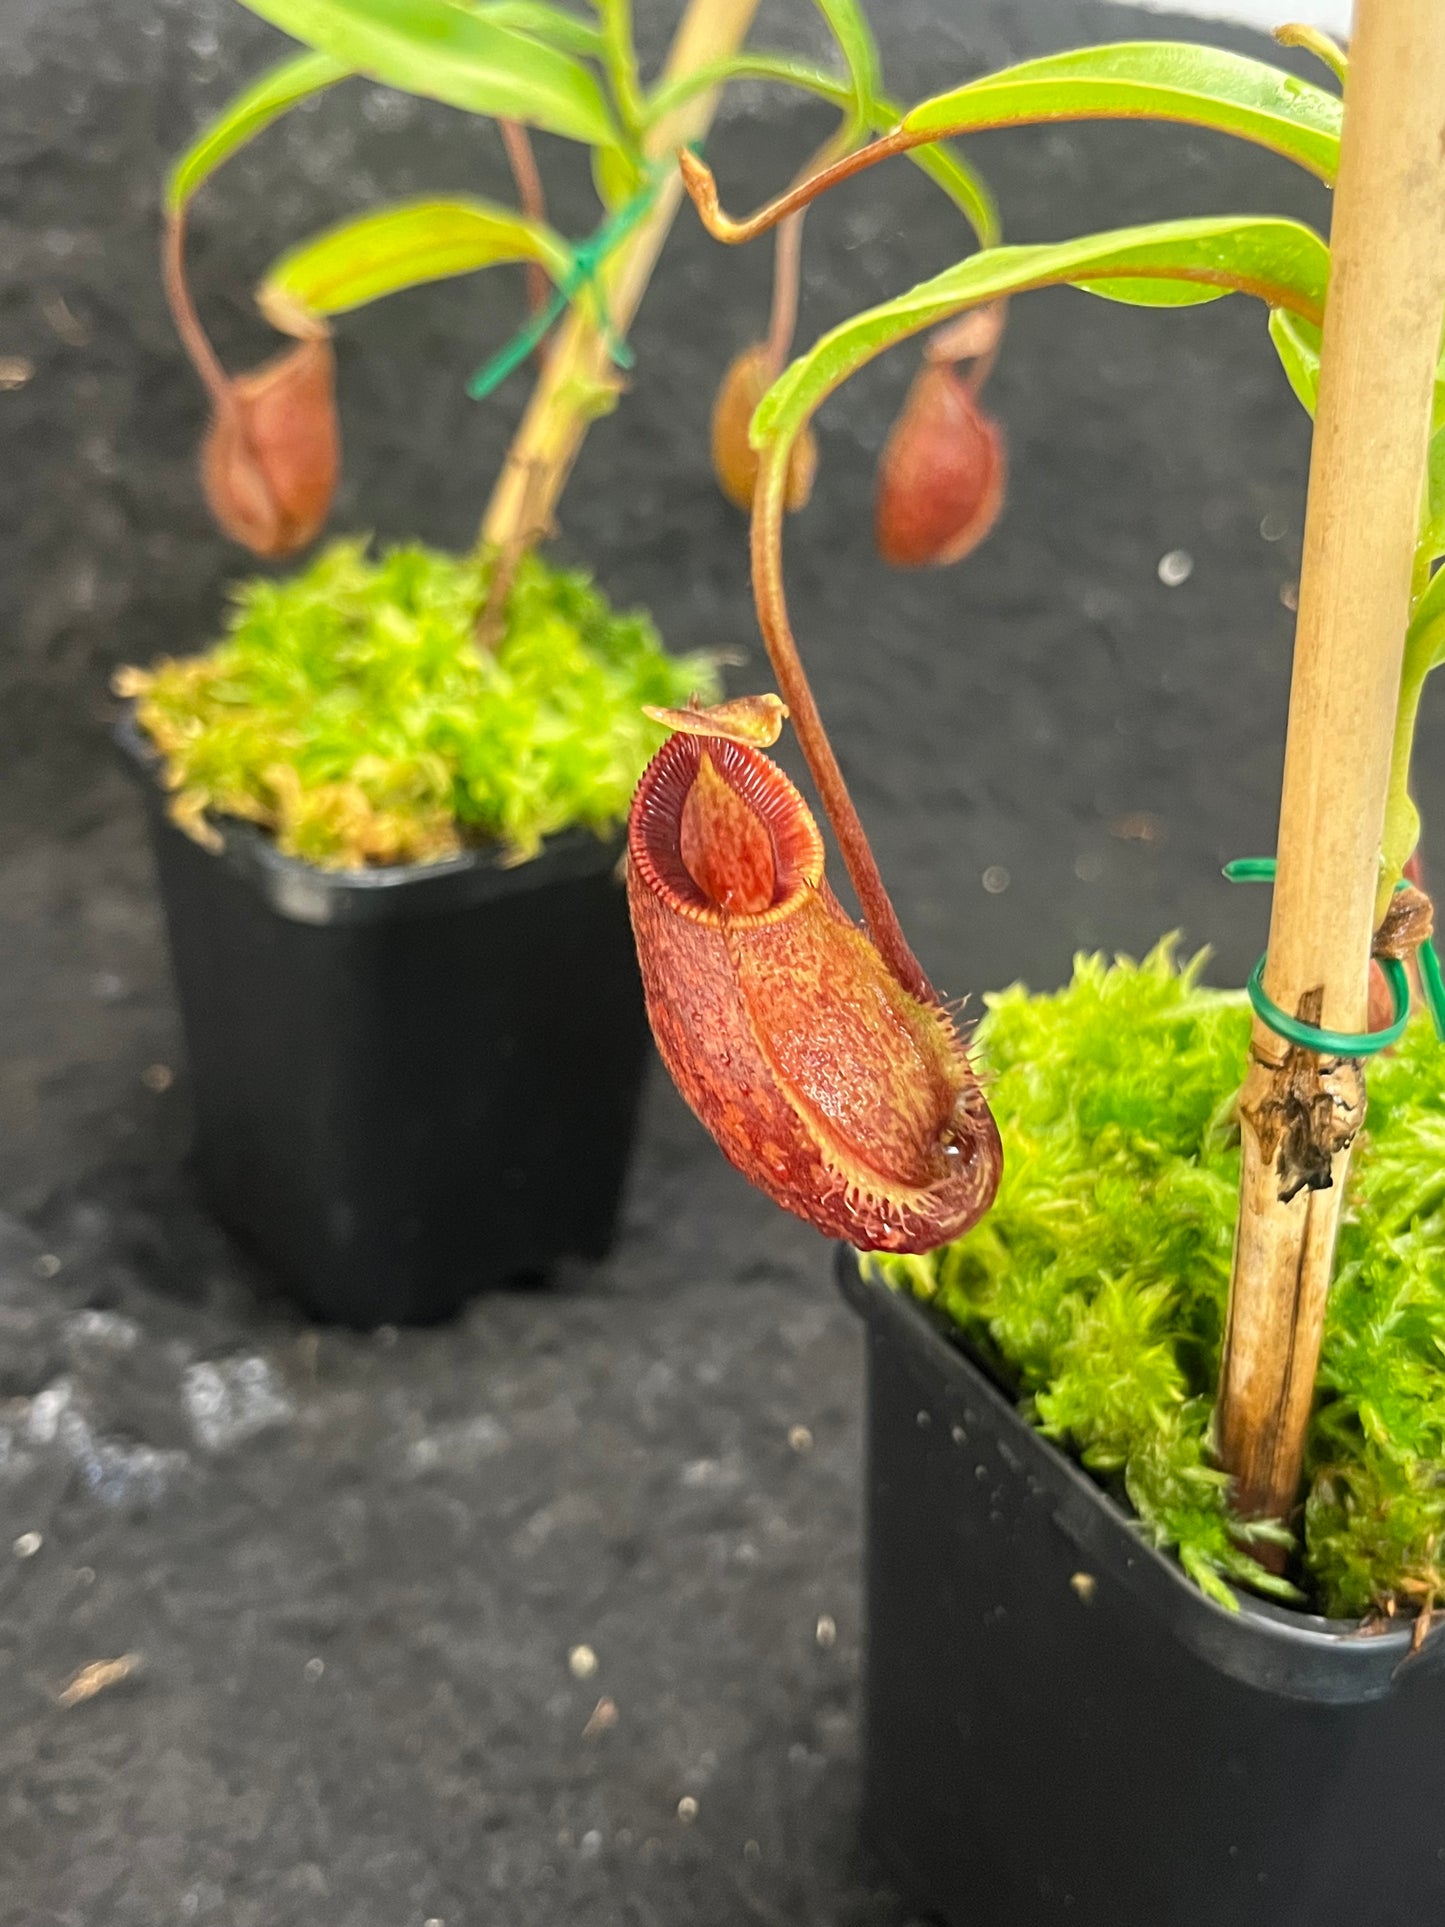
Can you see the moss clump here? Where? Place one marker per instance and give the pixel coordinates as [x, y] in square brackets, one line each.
[1100, 1279]
[350, 711]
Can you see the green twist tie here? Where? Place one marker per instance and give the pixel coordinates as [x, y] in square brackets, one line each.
[587, 258]
[1343, 1043]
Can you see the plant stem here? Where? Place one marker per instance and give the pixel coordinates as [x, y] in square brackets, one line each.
[769, 497]
[528, 182]
[578, 380]
[1299, 1112]
[787, 261]
[491, 622]
[194, 339]
[702, 187]
[1402, 819]
[788, 254]
[621, 63]
[1297, 33]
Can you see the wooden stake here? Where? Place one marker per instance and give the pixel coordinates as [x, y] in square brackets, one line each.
[1299, 1112]
[578, 377]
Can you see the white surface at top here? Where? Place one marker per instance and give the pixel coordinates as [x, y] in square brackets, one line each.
[1333, 15]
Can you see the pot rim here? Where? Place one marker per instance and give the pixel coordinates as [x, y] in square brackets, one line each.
[303, 893]
[1277, 1648]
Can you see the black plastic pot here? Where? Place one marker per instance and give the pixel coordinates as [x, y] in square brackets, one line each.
[409, 1084]
[1060, 1728]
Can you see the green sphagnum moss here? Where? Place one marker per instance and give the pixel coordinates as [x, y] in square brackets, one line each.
[1101, 1276]
[350, 711]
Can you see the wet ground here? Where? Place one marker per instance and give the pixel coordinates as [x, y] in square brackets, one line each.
[551, 1616]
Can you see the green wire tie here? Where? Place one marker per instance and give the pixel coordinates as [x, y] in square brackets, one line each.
[587, 258]
[1343, 1043]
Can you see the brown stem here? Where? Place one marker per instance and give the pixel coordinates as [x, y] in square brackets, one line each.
[702, 186]
[698, 179]
[528, 183]
[194, 338]
[573, 387]
[787, 257]
[1297, 33]
[532, 525]
[772, 608]
[976, 336]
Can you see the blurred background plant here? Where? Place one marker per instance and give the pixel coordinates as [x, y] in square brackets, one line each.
[271, 456]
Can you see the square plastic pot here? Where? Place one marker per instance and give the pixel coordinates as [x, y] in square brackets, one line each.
[409, 1084]
[1060, 1728]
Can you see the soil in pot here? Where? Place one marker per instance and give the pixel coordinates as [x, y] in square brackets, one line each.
[1062, 1730]
[389, 864]
[1075, 1711]
[1099, 1282]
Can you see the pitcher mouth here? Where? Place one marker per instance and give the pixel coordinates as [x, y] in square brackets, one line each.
[657, 832]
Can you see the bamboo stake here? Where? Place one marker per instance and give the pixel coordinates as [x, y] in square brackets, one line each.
[578, 376]
[1299, 1112]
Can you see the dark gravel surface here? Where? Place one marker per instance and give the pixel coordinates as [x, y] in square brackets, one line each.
[357, 1574]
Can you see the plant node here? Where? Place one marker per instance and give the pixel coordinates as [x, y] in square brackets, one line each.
[1310, 1110]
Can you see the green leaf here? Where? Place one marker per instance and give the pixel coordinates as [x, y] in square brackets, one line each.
[619, 55]
[1152, 80]
[949, 171]
[1297, 343]
[297, 79]
[446, 52]
[1282, 262]
[858, 94]
[275, 93]
[1427, 624]
[400, 247]
[1433, 535]
[783, 68]
[1143, 293]
[617, 175]
[542, 22]
[849, 26]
